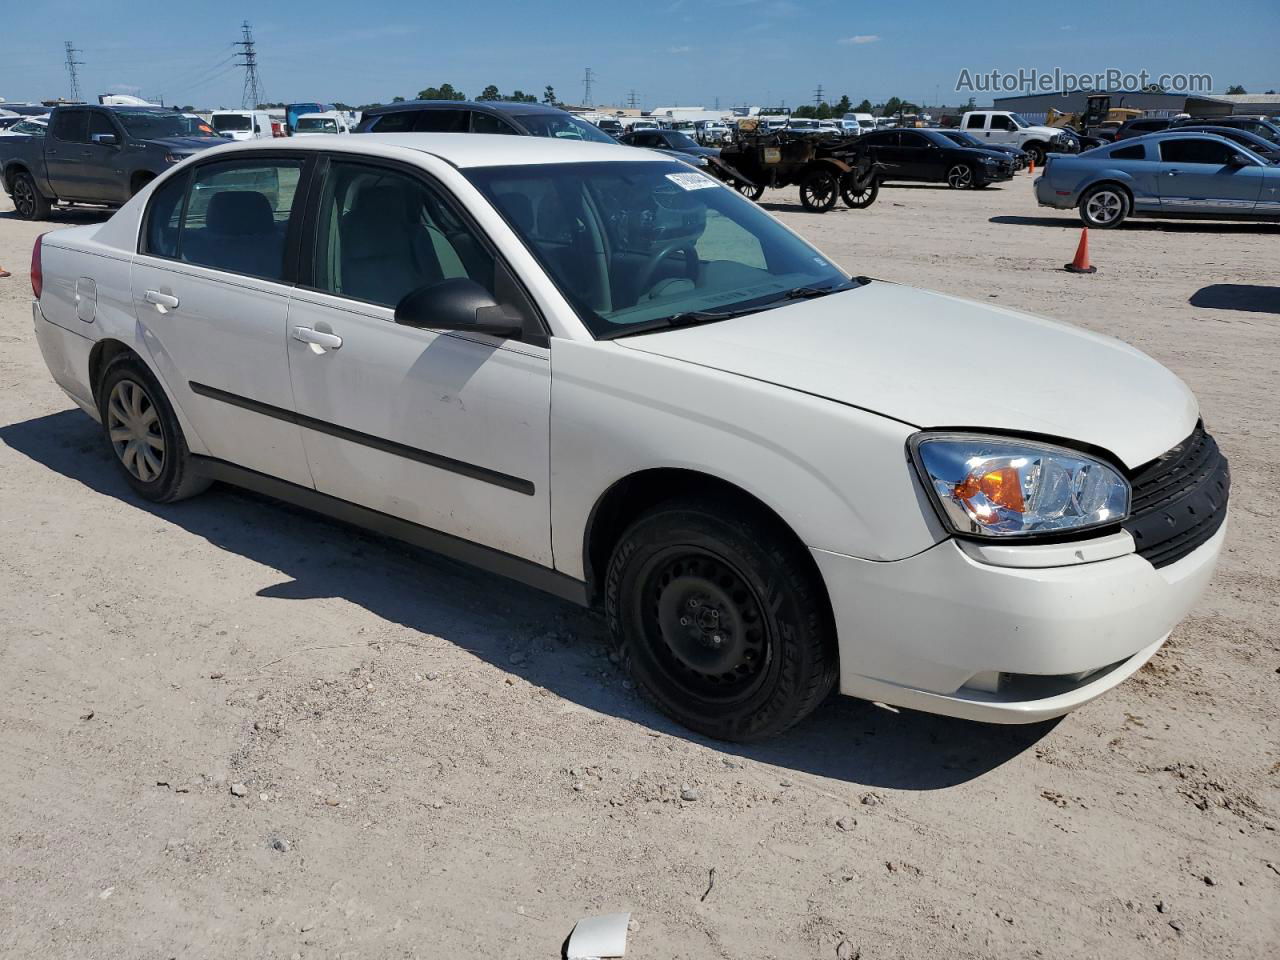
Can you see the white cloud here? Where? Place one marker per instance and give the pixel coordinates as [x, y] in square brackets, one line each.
[679, 49]
[862, 38]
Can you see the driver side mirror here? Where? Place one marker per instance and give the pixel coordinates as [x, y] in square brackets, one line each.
[457, 304]
[106, 139]
[1238, 160]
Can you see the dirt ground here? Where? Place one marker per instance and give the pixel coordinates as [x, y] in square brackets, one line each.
[438, 763]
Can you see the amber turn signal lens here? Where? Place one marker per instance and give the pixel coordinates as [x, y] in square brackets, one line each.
[1001, 487]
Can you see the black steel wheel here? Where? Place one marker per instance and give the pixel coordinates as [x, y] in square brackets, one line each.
[749, 190]
[721, 619]
[819, 190]
[859, 194]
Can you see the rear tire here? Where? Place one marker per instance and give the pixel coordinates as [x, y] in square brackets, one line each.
[721, 620]
[1104, 206]
[143, 432]
[28, 201]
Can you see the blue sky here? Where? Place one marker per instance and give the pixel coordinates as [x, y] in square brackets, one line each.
[669, 51]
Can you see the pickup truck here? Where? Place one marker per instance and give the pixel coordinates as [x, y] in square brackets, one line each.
[1006, 127]
[97, 155]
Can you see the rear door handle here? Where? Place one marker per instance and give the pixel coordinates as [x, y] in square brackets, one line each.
[330, 341]
[162, 301]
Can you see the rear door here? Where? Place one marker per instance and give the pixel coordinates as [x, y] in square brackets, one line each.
[211, 287]
[64, 144]
[448, 430]
[1196, 176]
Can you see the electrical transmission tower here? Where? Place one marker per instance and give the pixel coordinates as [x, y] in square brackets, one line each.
[586, 88]
[817, 96]
[632, 101]
[72, 63]
[252, 95]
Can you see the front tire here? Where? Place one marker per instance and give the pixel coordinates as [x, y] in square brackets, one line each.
[960, 177]
[819, 190]
[721, 620]
[143, 433]
[28, 201]
[1035, 154]
[859, 195]
[1104, 206]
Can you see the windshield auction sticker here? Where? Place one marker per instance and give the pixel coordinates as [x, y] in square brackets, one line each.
[692, 181]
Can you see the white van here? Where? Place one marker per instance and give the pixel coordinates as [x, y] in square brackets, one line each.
[858, 122]
[316, 124]
[242, 124]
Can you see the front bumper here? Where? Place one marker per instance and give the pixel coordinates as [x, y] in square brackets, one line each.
[945, 632]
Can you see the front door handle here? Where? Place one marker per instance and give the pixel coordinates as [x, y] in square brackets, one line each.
[162, 301]
[330, 341]
[1173, 173]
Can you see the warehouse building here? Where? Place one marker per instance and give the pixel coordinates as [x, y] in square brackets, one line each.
[1037, 105]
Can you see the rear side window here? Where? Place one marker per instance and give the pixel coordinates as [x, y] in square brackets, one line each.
[71, 126]
[441, 121]
[399, 122]
[229, 216]
[488, 123]
[1195, 151]
[1135, 152]
[975, 122]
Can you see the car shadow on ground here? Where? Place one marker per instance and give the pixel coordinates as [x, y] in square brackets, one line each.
[67, 216]
[493, 618]
[1250, 297]
[1137, 225]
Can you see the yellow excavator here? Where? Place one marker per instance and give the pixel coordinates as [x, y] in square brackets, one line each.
[1100, 119]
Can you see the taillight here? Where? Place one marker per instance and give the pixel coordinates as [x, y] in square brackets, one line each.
[37, 272]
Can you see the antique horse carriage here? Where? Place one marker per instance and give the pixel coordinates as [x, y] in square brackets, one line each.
[825, 169]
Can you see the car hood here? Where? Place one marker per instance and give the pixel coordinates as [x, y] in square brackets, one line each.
[933, 361]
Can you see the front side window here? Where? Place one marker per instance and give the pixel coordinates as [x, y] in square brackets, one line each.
[488, 123]
[634, 243]
[382, 234]
[230, 216]
[1196, 151]
[1000, 122]
[680, 141]
[100, 125]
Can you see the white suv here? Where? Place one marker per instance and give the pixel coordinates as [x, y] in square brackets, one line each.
[600, 372]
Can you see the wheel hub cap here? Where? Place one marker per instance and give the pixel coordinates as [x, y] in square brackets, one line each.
[133, 424]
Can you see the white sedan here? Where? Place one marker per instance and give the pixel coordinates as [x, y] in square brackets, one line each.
[602, 373]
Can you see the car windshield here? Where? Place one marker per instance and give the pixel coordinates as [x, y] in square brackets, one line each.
[562, 126]
[638, 245]
[316, 125]
[154, 125]
[1019, 119]
[679, 141]
[230, 121]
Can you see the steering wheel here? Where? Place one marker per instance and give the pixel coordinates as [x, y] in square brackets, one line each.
[692, 265]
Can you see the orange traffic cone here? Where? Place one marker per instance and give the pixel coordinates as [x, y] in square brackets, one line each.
[4, 273]
[1031, 165]
[1081, 263]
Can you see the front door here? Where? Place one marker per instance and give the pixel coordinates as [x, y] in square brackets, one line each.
[445, 430]
[211, 284]
[1197, 176]
[103, 176]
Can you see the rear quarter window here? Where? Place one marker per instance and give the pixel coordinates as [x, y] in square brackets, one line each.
[1135, 152]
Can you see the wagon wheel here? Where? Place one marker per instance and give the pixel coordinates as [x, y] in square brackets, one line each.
[749, 190]
[859, 193]
[819, 190]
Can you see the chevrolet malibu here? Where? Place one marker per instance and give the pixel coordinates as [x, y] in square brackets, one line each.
[603, 374]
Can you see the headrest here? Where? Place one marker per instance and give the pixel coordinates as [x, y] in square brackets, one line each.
[240, 213]
[371, 227]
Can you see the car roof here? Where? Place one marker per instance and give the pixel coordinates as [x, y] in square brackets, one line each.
[492, 106]
[461, 150]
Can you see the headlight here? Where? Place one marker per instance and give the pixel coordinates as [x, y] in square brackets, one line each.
[175, 157]
[1000, 487]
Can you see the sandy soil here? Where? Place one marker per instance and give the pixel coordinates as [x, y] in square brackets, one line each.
[441, 764]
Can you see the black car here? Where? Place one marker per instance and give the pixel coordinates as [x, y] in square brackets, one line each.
[963, 138]
[490, 116]
[1266, 149]
[927, 156]
[1141, 126]
[674, 142]
[1261, 128]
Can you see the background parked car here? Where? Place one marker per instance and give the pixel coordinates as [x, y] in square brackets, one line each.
[1140, 126]
[319, 124]
[242, 124]
[610, 126]
[491, 116]
[1172, 174]
[1266, 149]
[97, 154]
[1255, 125]
[674, 142]
[27, 127]
[1020, 158]
[927, 156]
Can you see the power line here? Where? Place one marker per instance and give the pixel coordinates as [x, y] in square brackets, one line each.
[252, 94]
[71, 65]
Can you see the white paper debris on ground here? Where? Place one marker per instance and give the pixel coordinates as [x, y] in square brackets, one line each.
[595, 938]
